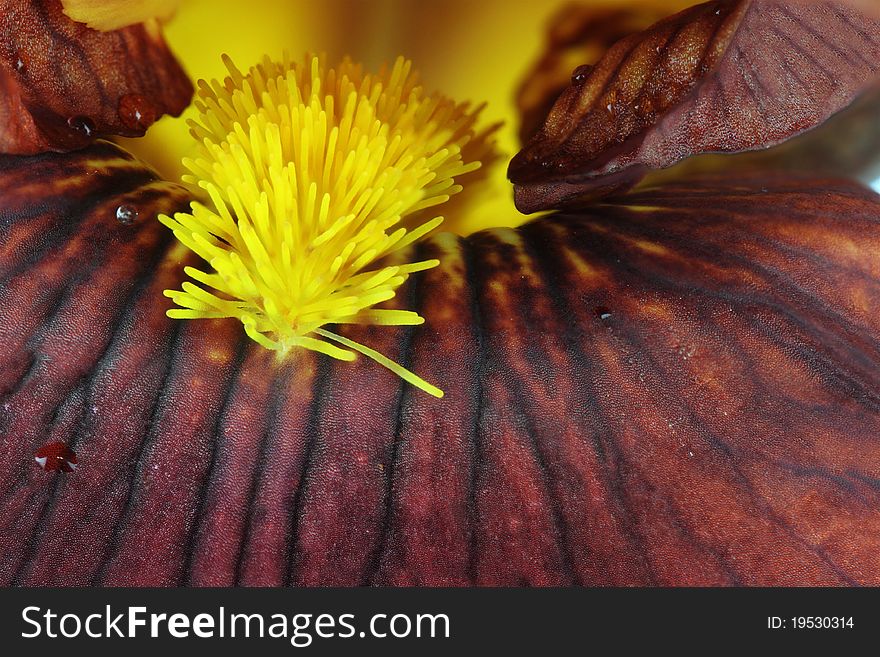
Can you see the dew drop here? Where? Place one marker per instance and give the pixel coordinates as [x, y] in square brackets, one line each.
[126, 215]
[52, 457]
[580, 74]
[82, 124]
[136, 112]
[19, 60]
[602, 312]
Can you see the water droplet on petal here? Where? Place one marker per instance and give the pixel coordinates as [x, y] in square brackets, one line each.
[136, 112]
[126, 215]
[580, 74]
[56, 456]
[82, 124]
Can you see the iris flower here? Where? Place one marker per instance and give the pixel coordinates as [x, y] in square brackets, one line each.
[242, 348]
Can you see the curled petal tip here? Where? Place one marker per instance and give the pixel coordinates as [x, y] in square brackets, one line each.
[63, 84]
[724, 76]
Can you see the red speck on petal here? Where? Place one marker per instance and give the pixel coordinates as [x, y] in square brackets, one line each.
[56, 456]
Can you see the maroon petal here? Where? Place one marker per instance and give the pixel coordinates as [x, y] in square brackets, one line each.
[846, 145]
[63, 84]
[682, 388]
[725, 76]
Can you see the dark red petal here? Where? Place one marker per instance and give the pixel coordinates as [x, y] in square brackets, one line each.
[63, 84]
[682, 388]
[846, 145]
[728, 75]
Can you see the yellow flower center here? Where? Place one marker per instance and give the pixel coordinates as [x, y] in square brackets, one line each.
[314, 175]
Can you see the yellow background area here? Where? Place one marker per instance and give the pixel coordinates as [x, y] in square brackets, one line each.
[474, 50]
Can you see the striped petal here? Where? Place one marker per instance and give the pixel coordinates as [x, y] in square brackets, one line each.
[681, 387]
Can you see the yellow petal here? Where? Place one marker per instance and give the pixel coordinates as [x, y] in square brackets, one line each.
[106, 15]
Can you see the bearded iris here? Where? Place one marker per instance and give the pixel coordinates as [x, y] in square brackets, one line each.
[312, 175]
[308, 174]
[672, 384]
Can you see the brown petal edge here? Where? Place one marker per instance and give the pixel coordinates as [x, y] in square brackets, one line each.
[724, 76]
[63, 84]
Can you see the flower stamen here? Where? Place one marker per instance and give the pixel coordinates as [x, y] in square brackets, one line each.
[311, 176]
